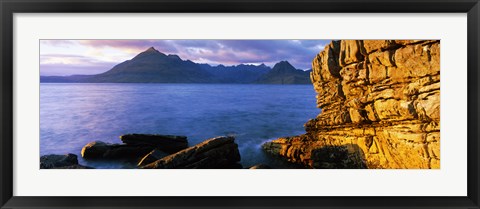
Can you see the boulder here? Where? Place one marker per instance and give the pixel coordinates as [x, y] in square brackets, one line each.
[166, 143]
[219, 152]
[102, 150]
[55, 161]
[94, 149]
[152, 157]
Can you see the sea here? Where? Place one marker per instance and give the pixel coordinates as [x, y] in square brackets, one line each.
[74, 114]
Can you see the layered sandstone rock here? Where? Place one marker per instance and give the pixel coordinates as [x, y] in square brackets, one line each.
[380, 102]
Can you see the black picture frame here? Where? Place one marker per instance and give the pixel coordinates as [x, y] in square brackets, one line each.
[9, 7]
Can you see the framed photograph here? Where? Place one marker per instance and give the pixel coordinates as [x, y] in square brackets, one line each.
[265, 104]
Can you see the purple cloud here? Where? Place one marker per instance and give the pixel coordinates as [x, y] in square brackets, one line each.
[63, 69]
[58, 65]
[299, 53]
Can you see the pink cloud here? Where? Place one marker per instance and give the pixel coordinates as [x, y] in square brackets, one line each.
[228, 52]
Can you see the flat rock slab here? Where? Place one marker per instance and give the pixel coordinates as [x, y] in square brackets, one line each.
[165, 143]
[219, 152]
[101, 150]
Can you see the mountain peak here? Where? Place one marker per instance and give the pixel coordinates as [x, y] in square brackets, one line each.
[151, 49]
[174, 57]
[284, 73]
[283, 66]
[283, 62]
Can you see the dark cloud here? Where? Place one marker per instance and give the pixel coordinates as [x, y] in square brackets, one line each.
[299, 53]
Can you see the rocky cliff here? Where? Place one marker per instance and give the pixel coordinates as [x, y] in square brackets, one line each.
[380, 102]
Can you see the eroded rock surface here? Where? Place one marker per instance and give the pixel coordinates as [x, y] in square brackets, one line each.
[380, 101]
[219, 152]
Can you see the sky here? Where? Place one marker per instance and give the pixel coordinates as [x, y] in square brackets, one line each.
[86, 57]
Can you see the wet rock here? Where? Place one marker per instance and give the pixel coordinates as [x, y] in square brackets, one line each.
[219, 152]
[56, 161]
[166, 143]
[152, 157]
[95, 149]
[101, 150]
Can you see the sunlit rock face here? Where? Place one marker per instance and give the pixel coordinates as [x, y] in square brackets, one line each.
[380, 102]
[218, 152]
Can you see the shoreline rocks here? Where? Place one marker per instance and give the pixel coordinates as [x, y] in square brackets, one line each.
[100, 150]
[68, 161]
[218, 152]
[166, 143]
[155, 151]
[135, 147]
[151, 157]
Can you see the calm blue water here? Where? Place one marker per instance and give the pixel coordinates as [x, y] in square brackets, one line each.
[71, 115]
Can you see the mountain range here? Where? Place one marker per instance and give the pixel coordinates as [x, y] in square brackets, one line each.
[152, 66]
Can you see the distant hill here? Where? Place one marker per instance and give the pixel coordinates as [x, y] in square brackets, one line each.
[152, 66]
[284, 73]
[237, 74]
[65, 79]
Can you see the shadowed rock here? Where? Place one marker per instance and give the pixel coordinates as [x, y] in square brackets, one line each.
[165, 143]
[152, 157]
[219, 152]
[102, 150]
[55, 161]
[68, 161]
